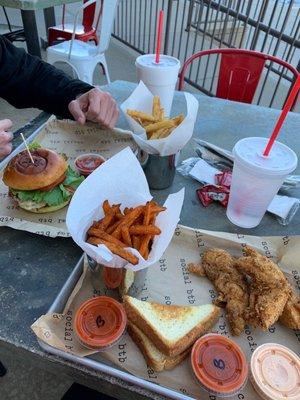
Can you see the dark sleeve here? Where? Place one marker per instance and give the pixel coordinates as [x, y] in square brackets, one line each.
[27, 81]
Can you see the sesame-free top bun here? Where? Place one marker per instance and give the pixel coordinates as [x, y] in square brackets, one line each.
[49, 167]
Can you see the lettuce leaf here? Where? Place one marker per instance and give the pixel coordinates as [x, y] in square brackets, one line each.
[53, 197]
[34, 146]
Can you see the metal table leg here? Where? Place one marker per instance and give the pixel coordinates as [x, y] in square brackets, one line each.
[49, 16]
[31, 32]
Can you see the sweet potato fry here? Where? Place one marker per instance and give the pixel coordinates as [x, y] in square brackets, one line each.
[94, 232]
[119, 215]
[128, 220]
[126, 236]
[136, 241]
[147, 213]
[157, 209]
[113, 227]
[144, 251]
[144, 230]
[106, 207]
[115, 249]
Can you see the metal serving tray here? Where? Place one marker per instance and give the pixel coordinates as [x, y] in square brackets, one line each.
[101, 366]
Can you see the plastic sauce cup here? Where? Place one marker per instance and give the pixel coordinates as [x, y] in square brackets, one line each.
[87, 163]
[256, 179]
[112, 277]
[100, 322]
[275, 372]
[160, 78]
[219, 365]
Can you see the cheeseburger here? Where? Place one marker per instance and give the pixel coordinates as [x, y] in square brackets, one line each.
[42, 187]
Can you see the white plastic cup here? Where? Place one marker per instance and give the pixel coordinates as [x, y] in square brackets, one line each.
[159, 78]
[256, 179]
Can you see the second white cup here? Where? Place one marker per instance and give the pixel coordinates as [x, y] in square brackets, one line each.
[160, 78]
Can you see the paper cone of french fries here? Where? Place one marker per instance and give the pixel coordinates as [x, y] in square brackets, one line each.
[159, 134]
[120, 180]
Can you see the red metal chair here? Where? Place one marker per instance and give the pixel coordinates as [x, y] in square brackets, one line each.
[85, 32]
[239, 73]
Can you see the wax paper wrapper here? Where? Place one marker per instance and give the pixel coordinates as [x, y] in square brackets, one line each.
[141, 100]
[120, 180]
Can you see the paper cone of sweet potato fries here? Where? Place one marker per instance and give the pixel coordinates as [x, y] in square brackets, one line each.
[109, 209]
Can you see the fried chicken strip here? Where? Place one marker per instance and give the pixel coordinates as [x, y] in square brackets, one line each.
[290, 316]
[219, 267]
[269, 290]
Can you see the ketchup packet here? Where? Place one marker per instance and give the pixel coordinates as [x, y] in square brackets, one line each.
[209, 193]
[224, 178]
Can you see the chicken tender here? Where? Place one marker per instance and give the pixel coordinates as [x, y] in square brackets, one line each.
[269, 290]
[290, 316]
[219, 267]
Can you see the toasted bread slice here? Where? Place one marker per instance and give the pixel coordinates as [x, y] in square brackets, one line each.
[172, 329]
[127, 281]
[154, 358]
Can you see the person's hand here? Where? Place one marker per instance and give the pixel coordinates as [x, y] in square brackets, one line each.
[95, 106]
[5, 137]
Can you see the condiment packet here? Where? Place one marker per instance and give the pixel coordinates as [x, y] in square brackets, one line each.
[120, 180]
[283, 207]
[141, 100]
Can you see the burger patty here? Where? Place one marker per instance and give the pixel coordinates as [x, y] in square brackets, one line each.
[56, 183]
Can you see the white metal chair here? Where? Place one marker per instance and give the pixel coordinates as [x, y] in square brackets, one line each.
[84, 57]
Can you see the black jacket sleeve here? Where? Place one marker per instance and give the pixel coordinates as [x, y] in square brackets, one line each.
[27, 81]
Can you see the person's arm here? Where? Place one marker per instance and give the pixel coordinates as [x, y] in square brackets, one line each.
[27, 81]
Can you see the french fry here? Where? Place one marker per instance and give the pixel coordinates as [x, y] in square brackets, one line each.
[162, 114]
[94, 232]
[177, 120]
[144, 230]
[156, 109]
[166, 123]
[115, 249]
[126, 236]
[164, 132]
[141, 115]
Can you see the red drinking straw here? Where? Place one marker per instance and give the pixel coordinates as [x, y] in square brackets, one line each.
[288, 105]
[159, 33]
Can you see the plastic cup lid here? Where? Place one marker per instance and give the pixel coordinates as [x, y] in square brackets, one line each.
[275, 372]
[281, 160]
[219, 364]
[148, 61]
[100, 321]
[112, 277]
